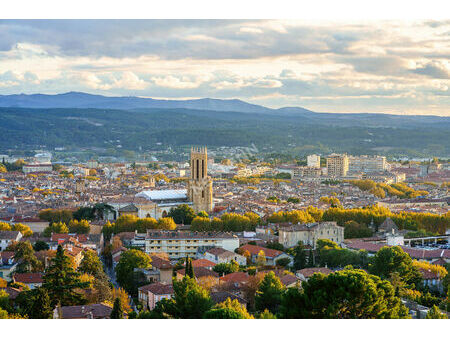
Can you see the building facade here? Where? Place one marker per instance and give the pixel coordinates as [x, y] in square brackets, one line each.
[366, 163]
[337, 165]
[313, 161]
[199, 188]
[310, 233]
[179, 244]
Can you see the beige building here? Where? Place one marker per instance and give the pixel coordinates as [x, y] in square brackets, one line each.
[309, 233]
[366, 163]
[199, 188]
[337, 165]
[179, 244]
[313, 161]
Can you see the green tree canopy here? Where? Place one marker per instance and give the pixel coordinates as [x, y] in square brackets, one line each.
[182, 214]
[229, 309]
[268, 295]
[130, 260]
[393, 259]
[355, 294]
[61, 281]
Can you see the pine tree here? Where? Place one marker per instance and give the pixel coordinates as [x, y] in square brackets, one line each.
[311, 259]
[40, 304]
[117, 311]
[61, 280]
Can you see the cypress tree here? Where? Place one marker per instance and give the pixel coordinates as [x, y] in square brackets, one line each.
[117, 311]
[311, 259]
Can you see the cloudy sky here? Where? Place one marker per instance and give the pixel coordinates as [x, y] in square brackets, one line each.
[398, 67]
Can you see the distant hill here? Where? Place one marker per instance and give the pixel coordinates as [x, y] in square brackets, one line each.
[84, 100]
[83, 120]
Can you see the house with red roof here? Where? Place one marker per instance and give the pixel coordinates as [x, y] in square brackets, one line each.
[271, 255]
[31, 279]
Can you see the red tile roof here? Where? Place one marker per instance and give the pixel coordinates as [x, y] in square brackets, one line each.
[157, 288]
[200, 271]
[236, 277]
[255, 249]
[203, 262]
[28, 277]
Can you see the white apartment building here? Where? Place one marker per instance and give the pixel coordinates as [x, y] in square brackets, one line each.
[366, 163]
[179, 244]
[37, 167]
[313, 161]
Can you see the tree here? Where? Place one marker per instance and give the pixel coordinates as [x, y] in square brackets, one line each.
[91, 264]
[117, 311]
[24, 254]
[56, 228]
[202, 214]
[129, 261]
[266, 314]
[311, 262]
[393, 259]
[261, 258]
[229, 309]
[226, 268]
[353, 229]
[40, 246]
[299, 257]
[24, 229]
[61, 281]
[247, 256]
[166, 223]
[284, 262]
[435, 313]
[189, 270]
[268, 295]
[182, 214]
[356, 294]
[35, 303]
[79, 227]
[191, 301]
[5, 226]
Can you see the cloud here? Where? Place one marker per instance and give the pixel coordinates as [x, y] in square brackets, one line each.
[433, 69]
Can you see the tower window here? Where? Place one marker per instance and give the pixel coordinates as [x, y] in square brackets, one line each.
[203, 193]
[203, 168]
[198, 170]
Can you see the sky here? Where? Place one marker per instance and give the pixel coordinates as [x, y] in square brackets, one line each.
[400, 67]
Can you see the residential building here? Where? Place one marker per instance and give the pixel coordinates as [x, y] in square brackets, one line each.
[149, 295]
[220, 255]
[305, 274]
[313, 161]
[37, 167]
[366, 163]
[271, 255]
[337, 165]
[179, 244]
[7, 237]
[91, 311]
[7, 265]
[309, 233]
[31, 279]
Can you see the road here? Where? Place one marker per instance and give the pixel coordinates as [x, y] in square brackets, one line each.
[112, 277]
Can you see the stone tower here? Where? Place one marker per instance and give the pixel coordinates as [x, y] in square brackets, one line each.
[200, 184]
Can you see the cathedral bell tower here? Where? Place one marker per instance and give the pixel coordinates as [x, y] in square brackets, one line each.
[200, 184]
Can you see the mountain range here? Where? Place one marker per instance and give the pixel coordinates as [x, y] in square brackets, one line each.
[77, 120]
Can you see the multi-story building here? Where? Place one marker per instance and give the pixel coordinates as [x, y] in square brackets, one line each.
[179, 244]
[37, 167]
[366, 163]
[337, 165]
[309, 233]
[301, 172]
[313, 161]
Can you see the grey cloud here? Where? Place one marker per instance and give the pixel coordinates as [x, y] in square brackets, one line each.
[434, 70]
